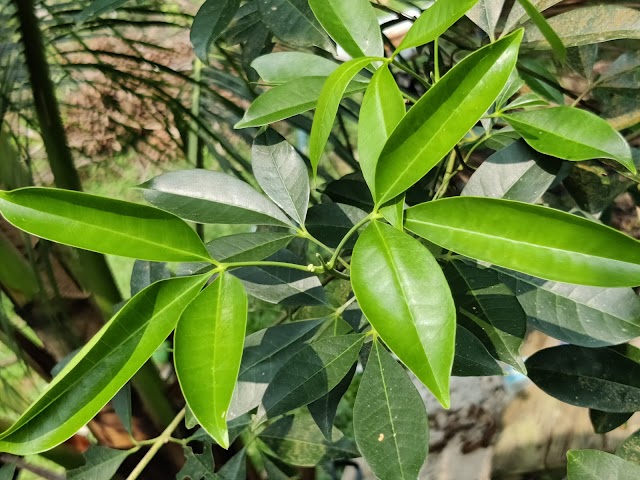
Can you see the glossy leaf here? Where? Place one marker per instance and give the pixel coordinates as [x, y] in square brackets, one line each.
[101, 463]
[532, 239]
[204, 196]
[472, 358]
[571, 134]
[353, 25]
[382, 109]
[102, 224]
[434, 21]
[280, 285]
[265, 352]
[486, 14]
[99, 7]
[393, 212]
[292, 21]
[598, 378]
[489, 310]
[212, 19]
[630, 448]
[313, 372]
[282, 67]
[324, 409]
[583, 26]
[409, 304]
[287, 100]
[545, 29]
[145, 273]
[102, 367]
[328, 104]
[605, 422]
[389, 419]
[330, 222]
[297, 440]
[586, 316]
[592, 464]
[439, 120]
[516, 172]
[282, 174]
[207, 352]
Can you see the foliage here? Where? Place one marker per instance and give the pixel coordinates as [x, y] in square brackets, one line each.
[374, 267]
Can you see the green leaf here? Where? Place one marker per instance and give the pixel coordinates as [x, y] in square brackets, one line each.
[145, 273]
[198, 466]
[585, 316]
[281, 285]
[472, 358]
[382, 109]
[393, 212]
[297, 440]
[311, 373]
[630, 448]
[353, 25]
[97, 8]
[282, 67]
[101, 463]
[328, 104]
[486, 14]
[236, 468]
[599, 378]
[272, 470]
[282, 174]
[292, 21]
[516, 172]
[389, 419]
[545, 29]
[595, 465]
[519, 15]
[212, 197]
[439, 120]
[330, 222]
[287, 100]
[489, 309]
[121, 403]
[604, 422]
[7, 471]
[583, 26]
[531, 239]
[571, 134]
[409, 304]
[350, 190]
[434, 21]
[265, 352]
[207, 352]
[102, 367]
[621, 73]
[102, 224]
[324, 409]
[212, 19]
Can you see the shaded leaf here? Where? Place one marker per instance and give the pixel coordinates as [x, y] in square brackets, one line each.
[122, 405]
[199, 466]
[101, 463]
[330, 222]
[212, 19]
[604, 422]
[236, 468]
[99, 7]
[472, 358]
[145, 273]
[324, 409]
[486, 14]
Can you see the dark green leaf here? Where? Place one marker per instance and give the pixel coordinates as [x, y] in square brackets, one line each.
[212, 197]
[443, 116]
[7, 471]
[486, 14]
[248, 247]
[582, 60]
[353, 25]
[284, 286]
[382, 109]
[207, 352]
[102, 224]
[199, 466]
[282, 67]
[212, 19]
[145, 273]
[389, 419]
[122, 406]
[101, 463]
[532, 239]
[297, 440]
[102, 367]
[516, 172]
[545, 29]
[350, 190]
[313, 372]
[472, 358]
[289, 99]
[265, 352]
[272, 470]
[586, 316]
[598, 378]
[236, 468]
[571, 134]
[99, 7]
[630, 449]
[622, 72]
[596, 465]
[330, 222]
[518, 15]
[409, 304]
[324, 409]
[282, 174]
[292, 21]
[604, 422]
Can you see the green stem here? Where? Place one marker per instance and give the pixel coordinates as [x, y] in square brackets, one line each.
[157, 445]
[304, 233]
[398, 65]
[332, 262]
[308, 268]
[436, 61]
[448, 175]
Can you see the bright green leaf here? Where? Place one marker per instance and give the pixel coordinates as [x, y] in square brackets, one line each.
[389, 419]
[532, 239]
[282, 67]
[212, 19]
[596, 465]
[409, 304]
[208, 350]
